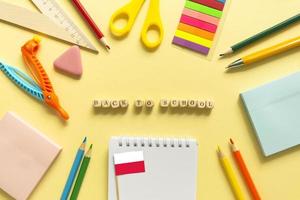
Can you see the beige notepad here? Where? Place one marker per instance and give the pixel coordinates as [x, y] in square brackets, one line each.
[25, 154]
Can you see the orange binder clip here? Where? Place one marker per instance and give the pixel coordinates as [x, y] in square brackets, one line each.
[29, 51]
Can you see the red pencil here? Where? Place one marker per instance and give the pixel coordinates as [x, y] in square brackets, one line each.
[91, 22]
[244, 171]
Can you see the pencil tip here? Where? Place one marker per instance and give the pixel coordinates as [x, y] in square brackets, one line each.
[229, 51]
[231, 141]
[219, 149]
[236, 64]
[230, 65]
[107, 47]
[91, 146]
[84, 140]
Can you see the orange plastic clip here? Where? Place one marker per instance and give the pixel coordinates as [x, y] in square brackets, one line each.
[29, 51]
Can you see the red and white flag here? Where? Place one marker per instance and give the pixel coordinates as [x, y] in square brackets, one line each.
[129, 163]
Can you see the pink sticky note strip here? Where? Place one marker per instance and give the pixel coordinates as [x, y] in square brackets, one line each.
[198, 23]
[201, 16]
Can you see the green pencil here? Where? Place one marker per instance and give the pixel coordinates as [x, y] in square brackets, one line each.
[262, 34]
[81, 174]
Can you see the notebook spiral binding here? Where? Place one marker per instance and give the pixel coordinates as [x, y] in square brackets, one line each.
[154, 142]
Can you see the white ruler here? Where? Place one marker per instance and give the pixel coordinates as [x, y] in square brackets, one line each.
[53, 21]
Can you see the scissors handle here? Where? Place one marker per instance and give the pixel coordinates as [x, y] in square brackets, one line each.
[128, 12]
[153, 22]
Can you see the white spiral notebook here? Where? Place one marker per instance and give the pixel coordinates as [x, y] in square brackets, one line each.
[170, 169]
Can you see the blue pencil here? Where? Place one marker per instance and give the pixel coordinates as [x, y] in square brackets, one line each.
[73, 172]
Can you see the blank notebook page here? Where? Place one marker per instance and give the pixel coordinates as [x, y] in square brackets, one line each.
[170, 170]
[25, 154]
[274, 110]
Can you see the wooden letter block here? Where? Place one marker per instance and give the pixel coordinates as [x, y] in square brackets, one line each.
[149, 103]
[164, 103]
[97, 103]
[210, 104]
[115, 104]
[139, 103]
[192, 103]
[123, 103]
[183, 103]
[105, 103]
[174, 103]
[201, 104]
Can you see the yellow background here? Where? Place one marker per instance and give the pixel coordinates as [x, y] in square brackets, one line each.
[130, 72]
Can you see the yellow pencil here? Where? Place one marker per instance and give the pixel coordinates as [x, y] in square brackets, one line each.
[266, 53]
[230, 175]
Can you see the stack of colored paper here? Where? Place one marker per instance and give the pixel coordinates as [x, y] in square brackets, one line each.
[198, 25]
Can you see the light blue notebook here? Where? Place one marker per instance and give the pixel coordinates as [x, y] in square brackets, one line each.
[274, 111]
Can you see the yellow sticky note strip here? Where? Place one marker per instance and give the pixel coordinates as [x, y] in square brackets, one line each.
[193, 38]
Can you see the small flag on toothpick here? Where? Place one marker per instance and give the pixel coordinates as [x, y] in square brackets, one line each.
[129, 163]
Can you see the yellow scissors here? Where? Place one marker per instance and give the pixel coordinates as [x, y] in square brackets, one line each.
[130, 12]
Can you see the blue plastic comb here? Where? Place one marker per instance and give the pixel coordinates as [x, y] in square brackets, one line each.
[23, 81]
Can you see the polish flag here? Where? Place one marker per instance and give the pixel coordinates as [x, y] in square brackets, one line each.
[129, 163]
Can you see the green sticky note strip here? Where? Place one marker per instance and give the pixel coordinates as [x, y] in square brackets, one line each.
[203, 9]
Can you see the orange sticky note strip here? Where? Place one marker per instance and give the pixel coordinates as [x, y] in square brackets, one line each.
[196, 31]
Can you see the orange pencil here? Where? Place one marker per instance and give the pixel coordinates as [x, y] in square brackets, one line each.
[244, 171]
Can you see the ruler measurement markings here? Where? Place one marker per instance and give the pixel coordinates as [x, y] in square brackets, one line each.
[54, 11]
[63, 18]
[45, 21]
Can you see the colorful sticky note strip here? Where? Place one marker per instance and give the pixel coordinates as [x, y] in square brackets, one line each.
[211, 3]
[198, 24]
